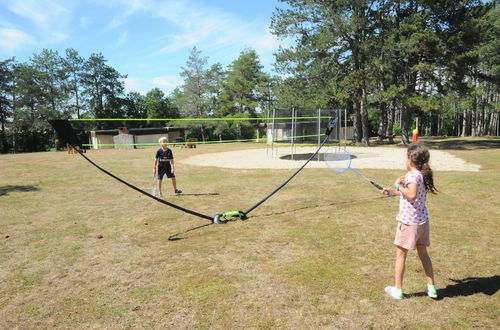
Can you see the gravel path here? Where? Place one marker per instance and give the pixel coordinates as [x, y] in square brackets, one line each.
[380, 157]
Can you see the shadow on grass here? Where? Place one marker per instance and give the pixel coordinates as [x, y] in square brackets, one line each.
[319, 157]
[463, 144]
[4, 190]
[175, 237]
[467, 287]
[292, 210]
[198, 194]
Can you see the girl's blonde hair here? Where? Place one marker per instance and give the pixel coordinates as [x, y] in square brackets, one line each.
[419, 156]
[162, 140]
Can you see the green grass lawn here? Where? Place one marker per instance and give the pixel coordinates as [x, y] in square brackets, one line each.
[316, 255]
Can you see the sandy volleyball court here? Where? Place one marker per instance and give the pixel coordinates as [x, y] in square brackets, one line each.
[279, 158]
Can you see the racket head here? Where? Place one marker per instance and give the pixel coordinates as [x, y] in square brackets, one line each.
[338, 159]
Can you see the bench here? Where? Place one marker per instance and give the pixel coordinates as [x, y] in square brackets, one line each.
[72, 150]
[191, 143]
[375, 133]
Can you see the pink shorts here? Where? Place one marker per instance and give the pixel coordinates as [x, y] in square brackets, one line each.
[409, 237]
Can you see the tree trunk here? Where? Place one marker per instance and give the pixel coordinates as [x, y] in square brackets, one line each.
[473, 124]
[433, 123]
[441, 124]
[33, 143]
[390, 120]
[486, 122]
[357, 121]
[364, 117]
[489, 130]
[202, 133]
[410, 79]
[494, 124]
[202, 129]
[405, 125]
[76, 96]
[456, 120]
[465, 123]
[2, 120]
[382, 123]
[480, 123]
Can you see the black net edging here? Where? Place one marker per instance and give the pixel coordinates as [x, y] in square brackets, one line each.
[64, 129]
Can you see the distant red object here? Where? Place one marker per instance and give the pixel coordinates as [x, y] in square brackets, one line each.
[390, 136]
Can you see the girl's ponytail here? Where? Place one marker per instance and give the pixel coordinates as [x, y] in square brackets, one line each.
[426, 171]
[419, 155]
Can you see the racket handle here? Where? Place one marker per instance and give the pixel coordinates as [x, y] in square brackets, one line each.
[376, 185]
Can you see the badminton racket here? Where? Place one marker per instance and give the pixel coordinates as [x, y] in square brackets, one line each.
[340, 161]
[153, 188]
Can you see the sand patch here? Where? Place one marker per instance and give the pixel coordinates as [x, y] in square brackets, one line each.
[380, 157]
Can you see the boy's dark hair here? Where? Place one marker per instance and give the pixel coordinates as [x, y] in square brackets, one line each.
[419, 155]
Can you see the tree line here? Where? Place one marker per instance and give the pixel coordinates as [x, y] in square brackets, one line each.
[391, 62]
[53, 86]
[387, 62]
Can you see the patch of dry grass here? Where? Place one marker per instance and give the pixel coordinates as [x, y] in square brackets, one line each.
[317, 254]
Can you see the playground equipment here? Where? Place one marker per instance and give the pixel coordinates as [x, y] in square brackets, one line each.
[303, 127]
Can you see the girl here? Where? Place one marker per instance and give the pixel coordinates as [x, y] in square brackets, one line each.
[413, 220]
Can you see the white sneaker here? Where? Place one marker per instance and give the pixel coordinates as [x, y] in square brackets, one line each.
[432, 291]
[394, 292]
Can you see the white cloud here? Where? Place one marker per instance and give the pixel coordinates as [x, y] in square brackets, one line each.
[130, 7]
[57, 36]
[194, 23]
[134, 84]
[199, 24]
[265, 41]
[50, 17]
[167, 82]
[12, 39]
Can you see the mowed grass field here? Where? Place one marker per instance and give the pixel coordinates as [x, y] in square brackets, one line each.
[81, 250]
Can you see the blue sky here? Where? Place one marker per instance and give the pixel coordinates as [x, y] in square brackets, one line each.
[148, 40]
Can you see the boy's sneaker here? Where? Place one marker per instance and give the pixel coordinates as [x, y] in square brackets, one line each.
[178, 191]
[431, 291]
[394, 292]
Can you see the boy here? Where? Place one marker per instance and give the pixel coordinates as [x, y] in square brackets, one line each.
[164, 162]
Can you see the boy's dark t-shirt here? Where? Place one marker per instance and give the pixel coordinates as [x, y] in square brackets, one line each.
[164, 158]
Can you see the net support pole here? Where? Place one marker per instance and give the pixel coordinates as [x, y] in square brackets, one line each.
[345, 125]
[339, 126]
[293, 131]
[267, 133]
[319, 127]
[272, 133]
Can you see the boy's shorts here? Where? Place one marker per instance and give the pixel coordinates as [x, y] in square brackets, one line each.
[409, 237]
[163, 171]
